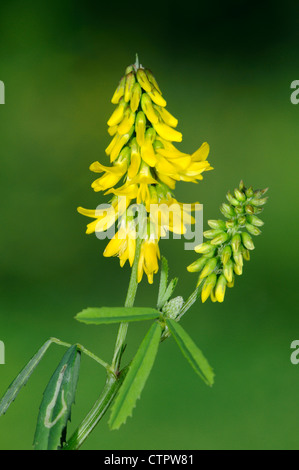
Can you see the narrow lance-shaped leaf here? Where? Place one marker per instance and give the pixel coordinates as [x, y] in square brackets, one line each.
[163, 282]
[23, 377]
[136, 377]
[97, 316]
[55, 409]
[191, 352]
[169, 291]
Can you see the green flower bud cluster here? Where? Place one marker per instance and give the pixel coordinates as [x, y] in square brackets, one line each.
[172, 308]
[229, 242]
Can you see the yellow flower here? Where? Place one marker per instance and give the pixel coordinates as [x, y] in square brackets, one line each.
[123, 244]
[145, 167]
[148, 261]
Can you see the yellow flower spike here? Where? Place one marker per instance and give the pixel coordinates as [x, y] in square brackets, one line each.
[117, 114]
[147, 107]
[208, 286]
[140, 127]
[130, 81]
[136, 96]
[145, 166]
[157, 98]
[127, 123]
[143, 80]
[168, 118]
[220, 288]
[119, 92]
[167, 132]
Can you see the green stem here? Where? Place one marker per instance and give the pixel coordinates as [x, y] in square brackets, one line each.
[130, 299]
[189, 302]
[114, 379]
[85, 351]
[96, 413]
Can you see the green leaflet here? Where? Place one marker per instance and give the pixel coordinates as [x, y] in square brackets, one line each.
[55, 409]
[170, 290]
[191, 352]
[97, 316]
[136, 377]
[165, 292]
[163, 282]
[23, 377]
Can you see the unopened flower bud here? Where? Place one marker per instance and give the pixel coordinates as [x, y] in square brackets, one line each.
[238, 269]
[258, 202]
[119, 92]
[249, 209]
[247, 241]
[130, 81]
[226, 254]
[217, 224]
[209, 268]
[231, 223]
[135, 99]
[253, 230]
[246, 254]
[152, 79]
[249, 192]
[236, 242]
[210, 234]
[197, 265]
[242, 220]
[220, 288]
[253, 220]
[208, 286]
[241, 186]
[228, 271]
[227, 211]
[240, 196]
[147, 107]
[172, 308]
[143, 80]
[238, 258]
[231, 199]
[239, 210]
[204, 248]
[140, 126]
[220, 239]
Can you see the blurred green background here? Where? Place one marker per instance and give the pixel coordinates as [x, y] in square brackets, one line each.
[226, 70]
